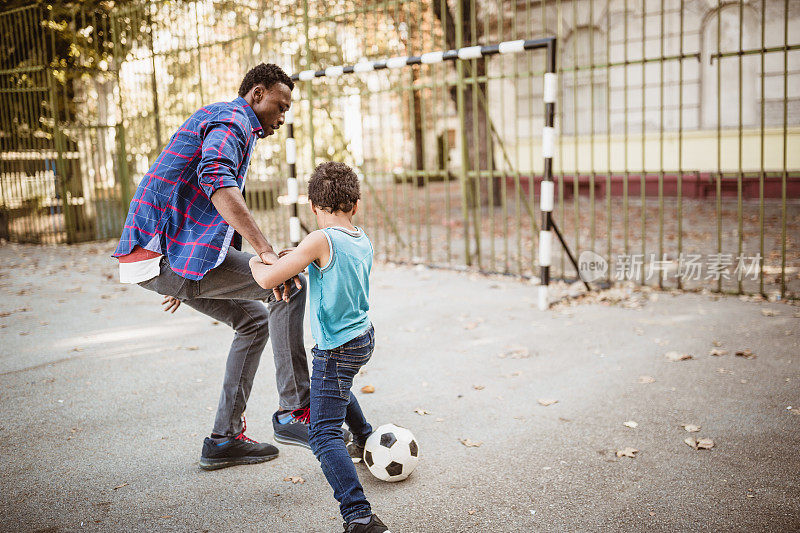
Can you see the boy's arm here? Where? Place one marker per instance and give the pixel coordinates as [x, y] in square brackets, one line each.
[291, 264]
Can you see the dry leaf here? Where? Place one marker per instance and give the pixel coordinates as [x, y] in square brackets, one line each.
[421, 412]
[471, 511]
[470, 443]
[716, 352]
[120, 486]
[546, 402]
[647, 379]
[516, 352]
[630, 424]
[699, 444]
[471, 325]
[716, 343]
[691, 428]
[747, 354]
[627, 452]
[769, 312]
[367, 389]
[478, 387]
[295, 479]
[677, 356]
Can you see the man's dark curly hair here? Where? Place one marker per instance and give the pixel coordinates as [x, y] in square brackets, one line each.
[267, 74]
[334, 187]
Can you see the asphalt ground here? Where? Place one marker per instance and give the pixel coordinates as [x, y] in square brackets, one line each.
[105, 401]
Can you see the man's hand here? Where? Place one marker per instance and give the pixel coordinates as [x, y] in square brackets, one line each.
[171, 304]
[269, 258]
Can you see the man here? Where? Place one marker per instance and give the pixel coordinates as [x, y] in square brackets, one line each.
[177, 242]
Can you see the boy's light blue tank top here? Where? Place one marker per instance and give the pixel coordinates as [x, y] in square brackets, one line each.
[339, 292]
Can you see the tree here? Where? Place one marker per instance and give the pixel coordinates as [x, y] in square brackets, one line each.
[472, 114]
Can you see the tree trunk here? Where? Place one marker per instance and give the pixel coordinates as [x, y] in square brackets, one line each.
[477, 134]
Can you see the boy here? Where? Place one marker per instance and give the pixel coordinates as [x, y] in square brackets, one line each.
[339, 260]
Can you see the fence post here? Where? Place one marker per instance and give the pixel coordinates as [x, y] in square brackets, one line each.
[61, 174]
[461, 129]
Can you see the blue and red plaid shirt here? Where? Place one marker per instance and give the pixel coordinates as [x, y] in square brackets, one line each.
[172, 206]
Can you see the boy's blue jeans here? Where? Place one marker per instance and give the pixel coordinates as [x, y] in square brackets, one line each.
[332, 403]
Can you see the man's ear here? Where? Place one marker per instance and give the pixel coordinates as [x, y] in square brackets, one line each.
[258, 93]
[355, 207]
[313, 207]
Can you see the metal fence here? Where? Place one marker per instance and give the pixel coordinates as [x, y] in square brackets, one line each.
[677, 123]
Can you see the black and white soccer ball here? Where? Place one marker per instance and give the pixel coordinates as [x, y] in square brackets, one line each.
[391, 453]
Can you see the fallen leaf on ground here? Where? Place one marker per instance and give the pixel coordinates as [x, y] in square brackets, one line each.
[699, 444]
[627, 452]
[630, 424]
[769, 312]
[545, 402]
[716, 352]
[470, 443]
[478, 387]
[517, 352]
[295, 479]
[471, 325]
[716, 343]
[677, 356]
[747, 354]
[471, 511]
[120, 486]
[367, 389]
[691, 428]
[647, 379]
[422, 412]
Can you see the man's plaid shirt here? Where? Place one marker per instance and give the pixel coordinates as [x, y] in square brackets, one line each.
[172, 206]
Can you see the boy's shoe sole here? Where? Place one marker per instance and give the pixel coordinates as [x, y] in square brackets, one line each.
[216, 464]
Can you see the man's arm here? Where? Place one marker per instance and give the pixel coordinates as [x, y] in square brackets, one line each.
[230, 204]
[224, 144]
[312, 248]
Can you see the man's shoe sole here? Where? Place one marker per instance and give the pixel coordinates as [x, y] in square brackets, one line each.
[216, 464]
[290, 441]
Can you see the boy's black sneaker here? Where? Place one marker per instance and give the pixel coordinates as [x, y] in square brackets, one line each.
[374, 526]
[238, 450]
[355, 450]
[295, 430]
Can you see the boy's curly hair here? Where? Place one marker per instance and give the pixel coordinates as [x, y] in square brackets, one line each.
[334, 187]
[267, 74]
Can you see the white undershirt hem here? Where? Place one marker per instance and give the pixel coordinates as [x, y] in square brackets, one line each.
[139, 271]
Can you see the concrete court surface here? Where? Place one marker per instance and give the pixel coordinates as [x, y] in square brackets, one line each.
[105, 401]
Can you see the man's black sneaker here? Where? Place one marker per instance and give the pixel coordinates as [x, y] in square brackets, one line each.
[238, 450]
[374, 526]
[295, 430]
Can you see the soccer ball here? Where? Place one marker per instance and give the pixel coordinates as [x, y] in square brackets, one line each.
[391, 453]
